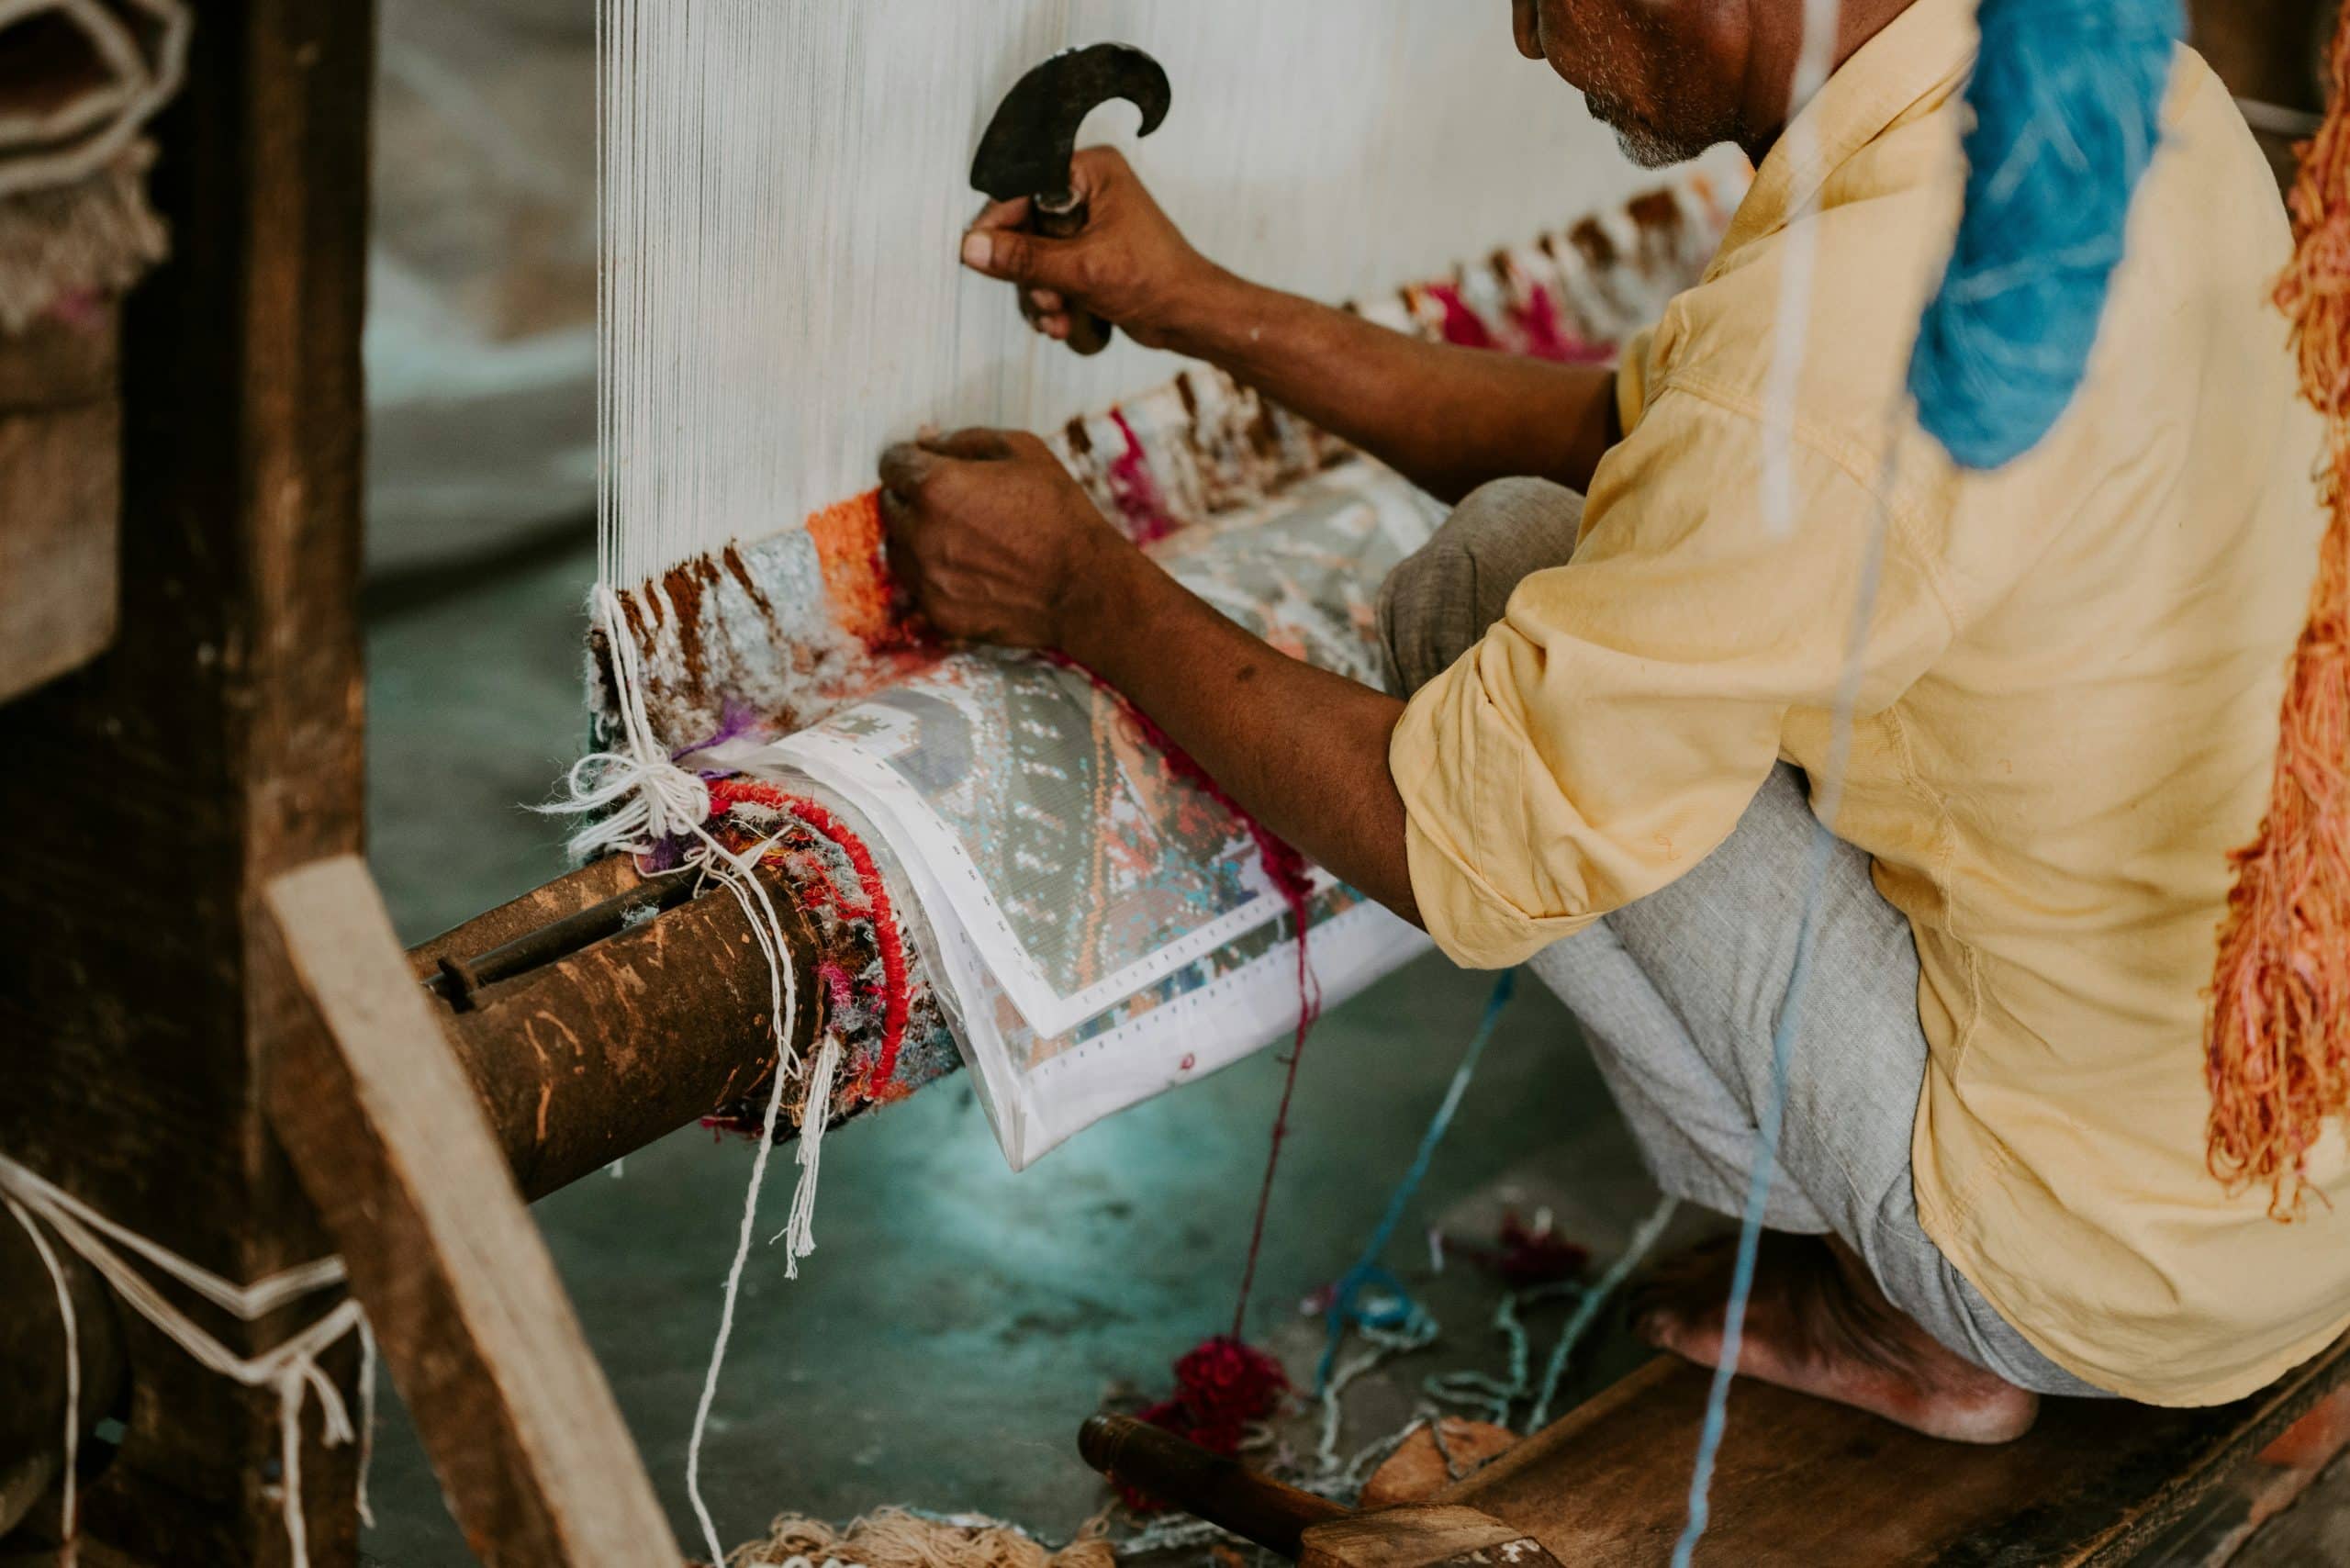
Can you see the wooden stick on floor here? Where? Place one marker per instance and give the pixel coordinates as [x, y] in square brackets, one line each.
[393, 1150]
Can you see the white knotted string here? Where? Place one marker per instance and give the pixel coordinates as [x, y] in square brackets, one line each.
[639, 799]
[635, 797]
[290, 1369]
[69, 1507]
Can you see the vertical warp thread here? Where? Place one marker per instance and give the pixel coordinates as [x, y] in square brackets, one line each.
[1823, 20]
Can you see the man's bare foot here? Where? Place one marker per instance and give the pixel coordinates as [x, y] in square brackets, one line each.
[1818, 1324]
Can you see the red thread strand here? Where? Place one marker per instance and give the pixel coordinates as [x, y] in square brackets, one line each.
[1136, 489]
[1293, 879]
[1463, 327]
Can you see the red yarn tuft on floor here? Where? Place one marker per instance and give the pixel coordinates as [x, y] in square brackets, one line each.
[1222, 1388]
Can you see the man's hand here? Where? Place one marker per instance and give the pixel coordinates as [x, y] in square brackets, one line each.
[1131, 264]
[994, 539]
[997, 545]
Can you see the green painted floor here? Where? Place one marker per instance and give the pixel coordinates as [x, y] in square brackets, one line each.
[957, 1322]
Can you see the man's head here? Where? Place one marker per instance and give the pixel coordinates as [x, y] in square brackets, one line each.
[1674, 77]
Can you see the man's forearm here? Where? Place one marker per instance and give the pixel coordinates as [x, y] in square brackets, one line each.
[1448, 419]
[1302, 750]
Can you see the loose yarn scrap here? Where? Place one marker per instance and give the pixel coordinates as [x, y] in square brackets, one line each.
[2276, 1047]
[901, 1538]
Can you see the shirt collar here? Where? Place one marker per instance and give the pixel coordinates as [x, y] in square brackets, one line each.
[1922, 56]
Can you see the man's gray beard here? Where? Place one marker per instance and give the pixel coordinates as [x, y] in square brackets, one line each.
[1645, 145]
[1652, 150]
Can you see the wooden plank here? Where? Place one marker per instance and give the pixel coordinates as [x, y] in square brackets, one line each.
[473, 1322]
[1804, 1482]
[157, 788]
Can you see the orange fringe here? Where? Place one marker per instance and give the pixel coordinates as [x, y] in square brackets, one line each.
[2278, 1051]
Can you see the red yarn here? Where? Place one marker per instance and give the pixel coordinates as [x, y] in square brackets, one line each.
[1136, 490]
[1292, 878]
[1225, 1384]
[725, 794]
[1222, 1388]
[1462, 325]
[1527, 1255]
[1547, 335]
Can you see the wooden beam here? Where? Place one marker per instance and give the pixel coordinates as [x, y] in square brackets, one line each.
[592, 1056]
[470, 1318]
[158, 788]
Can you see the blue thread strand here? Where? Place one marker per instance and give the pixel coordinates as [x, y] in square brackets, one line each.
[1367, 1270]
[2067, 97]
[1758, 1198]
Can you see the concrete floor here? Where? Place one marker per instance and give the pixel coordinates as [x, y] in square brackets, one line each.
[959, 1322]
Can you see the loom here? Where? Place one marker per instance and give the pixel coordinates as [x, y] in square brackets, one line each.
[214, 1035]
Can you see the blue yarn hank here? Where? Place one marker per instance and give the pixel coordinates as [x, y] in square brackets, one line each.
[2067, 99]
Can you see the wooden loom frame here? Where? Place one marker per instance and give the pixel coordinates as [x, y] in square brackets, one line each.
[212, 1032]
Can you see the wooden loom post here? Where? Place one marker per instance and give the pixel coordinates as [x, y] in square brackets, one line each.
[155, 792]
[521, 1427]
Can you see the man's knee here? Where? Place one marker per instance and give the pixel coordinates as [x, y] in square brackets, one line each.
[1439, 604]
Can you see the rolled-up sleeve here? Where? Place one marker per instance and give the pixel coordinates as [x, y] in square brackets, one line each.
[1607, 734]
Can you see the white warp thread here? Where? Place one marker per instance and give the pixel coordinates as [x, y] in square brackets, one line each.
[1822, 21]
[785, 182]
[1822, 26]
[290, 1369]
[637, 798]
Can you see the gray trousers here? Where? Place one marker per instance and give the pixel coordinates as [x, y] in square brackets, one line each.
[1679, 993]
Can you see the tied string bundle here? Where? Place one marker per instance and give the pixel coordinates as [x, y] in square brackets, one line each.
[289, 1369]
[2278, 1046]
[2067, 99]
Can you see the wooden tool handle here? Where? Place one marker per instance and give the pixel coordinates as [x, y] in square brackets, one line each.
[1220, 1490]
[1087, 334]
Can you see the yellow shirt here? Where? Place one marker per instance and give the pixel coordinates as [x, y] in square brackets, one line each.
[2066, 720]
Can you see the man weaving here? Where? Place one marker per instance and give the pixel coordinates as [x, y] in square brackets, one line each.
[1992, 1182]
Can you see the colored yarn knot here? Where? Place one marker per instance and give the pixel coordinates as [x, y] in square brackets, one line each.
[2067, 97]
[1525, 1255]
[1222, 1388]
